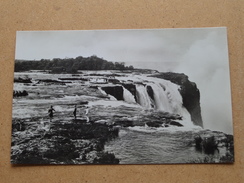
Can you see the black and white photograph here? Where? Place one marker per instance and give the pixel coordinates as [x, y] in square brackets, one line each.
[138, 96]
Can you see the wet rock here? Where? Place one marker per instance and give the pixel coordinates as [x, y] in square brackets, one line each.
[150, 92]
[62, 150]
[140, 83]
[74, 75]
[209, 145]
[163, 116]
[124, 123]
[198, 142]
[114, 81]
[116, 91]
[22, 80]
[83, 102]
[175, 123]
[18, 125]
[212, 143]
[73, 79]
[20, 93]
[229, 143]
[95, 87]
[64, 143]
[106, 158]
[51, 81]
[154, 124]
[29, 157]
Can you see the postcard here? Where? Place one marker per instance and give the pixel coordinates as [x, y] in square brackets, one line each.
[142, 96]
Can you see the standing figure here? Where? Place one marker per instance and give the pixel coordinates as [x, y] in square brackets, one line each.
[86, 114]
[75, 110]
[50, 111]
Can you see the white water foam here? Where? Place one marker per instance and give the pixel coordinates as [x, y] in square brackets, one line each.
[168, 98]
[143, 97]
[161, 100]
[110, 103]
[170, 129]
[128, 97]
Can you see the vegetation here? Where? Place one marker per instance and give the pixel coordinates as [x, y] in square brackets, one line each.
[70, 65]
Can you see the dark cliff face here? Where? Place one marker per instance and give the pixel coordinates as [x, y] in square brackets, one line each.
[150, 92]
[116, 91]
[189, 93]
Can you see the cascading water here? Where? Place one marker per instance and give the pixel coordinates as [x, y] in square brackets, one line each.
[175, 99]
[104, 93]
[142, 97]
[160, 98]
[168, 98]
[128, 97]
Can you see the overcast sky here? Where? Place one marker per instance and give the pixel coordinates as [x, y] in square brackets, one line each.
[202, 54]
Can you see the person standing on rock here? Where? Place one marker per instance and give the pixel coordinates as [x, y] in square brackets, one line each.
[86, 114]
[75, 110]
[50, 111]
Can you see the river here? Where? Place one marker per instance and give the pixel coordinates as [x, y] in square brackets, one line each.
[136, 144]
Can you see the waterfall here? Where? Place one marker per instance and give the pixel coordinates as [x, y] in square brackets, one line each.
[128, 97]
[104, 93]
[142, 97]
[160, 98]
[168, 98]
[175, 100]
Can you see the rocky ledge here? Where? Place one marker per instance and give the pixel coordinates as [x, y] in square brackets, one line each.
[212, 142]
[71, 142]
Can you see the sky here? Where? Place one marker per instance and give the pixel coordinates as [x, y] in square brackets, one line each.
[200, 53]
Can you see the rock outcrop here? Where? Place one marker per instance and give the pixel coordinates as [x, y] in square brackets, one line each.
[20, 93]
[116, 91]
[67, 142]
[189, 92]
[22, 80]
[51, 81]
[150, 92]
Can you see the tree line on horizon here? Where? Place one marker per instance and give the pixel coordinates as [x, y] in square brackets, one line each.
[70, 65]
